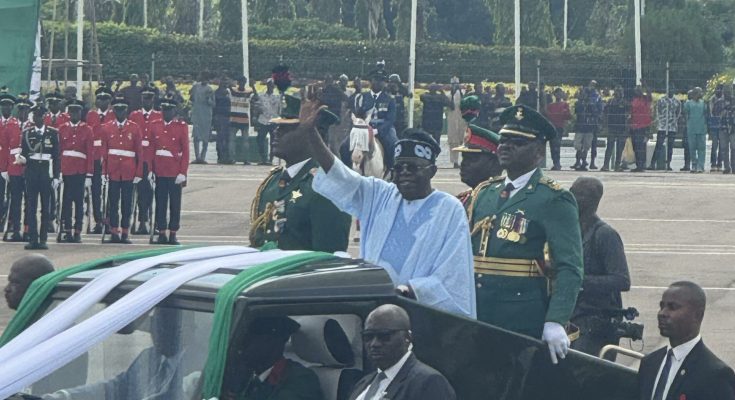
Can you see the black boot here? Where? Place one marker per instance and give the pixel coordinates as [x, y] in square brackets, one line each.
[97, 229]
[162, 239]
[68, 237]
[124, 239]
[114, 238]
[16, 237]
[77, 238]
[172, 239]
[142, 229]
[36, 246]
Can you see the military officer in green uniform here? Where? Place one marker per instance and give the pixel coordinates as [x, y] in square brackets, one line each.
[286, 211]
[516, 221]
[479, 159]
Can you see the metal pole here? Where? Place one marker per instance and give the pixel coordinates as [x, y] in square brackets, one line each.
[80, 47]
[638, 66]
[517, 32]
[538, 85]
[667, 81]
[566, 22]
[201, 19]
[412, 61]
[66, 42]
[245, 40]
[145, 14]
[51, 45]
[153, 67]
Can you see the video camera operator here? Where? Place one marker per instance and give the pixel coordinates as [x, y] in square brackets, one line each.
[598, 312]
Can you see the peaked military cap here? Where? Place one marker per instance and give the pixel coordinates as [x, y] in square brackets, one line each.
[148, 90]
[54, 96]
[24, 101]
[6, 97]
[479, 140]
[524, 121]
[103, 91]
[119, 102]
[378, 74]
[39, 108]
[169, 101]
[75, 104]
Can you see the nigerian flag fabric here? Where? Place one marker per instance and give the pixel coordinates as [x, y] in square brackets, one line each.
[18, 28]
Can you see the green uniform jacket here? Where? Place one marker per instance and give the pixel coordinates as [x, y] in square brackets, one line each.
[295, 217]
[297, 383]
[540, 214]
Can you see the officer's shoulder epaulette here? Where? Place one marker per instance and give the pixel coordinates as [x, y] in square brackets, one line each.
[546, 181]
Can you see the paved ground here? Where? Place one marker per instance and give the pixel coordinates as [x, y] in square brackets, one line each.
[675, 226]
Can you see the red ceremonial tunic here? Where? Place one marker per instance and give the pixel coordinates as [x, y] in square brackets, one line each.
[10, 145]
[122, 144]
[171, 148]
[144, 121]
[55, 120]
[95, 120]
[75, 142]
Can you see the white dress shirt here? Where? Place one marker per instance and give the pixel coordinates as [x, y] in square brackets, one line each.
[390, 374]
[293, 170]
[680, 353]
[519, 182]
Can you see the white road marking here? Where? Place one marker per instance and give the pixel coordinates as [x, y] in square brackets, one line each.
[213, 212]
[726, 289]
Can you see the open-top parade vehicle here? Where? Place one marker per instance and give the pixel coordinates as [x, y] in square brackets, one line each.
[86, 325]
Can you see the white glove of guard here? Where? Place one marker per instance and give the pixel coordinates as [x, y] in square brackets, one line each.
[88, 182]
[556, 337]
[55, 183]
[4, 175]
[105, 179]
[19, 159]
[180, 178]
[136, 180]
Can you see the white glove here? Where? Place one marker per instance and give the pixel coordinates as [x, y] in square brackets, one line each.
[105, 179]
[4, 175]
[152, 179]
[88, 182]
[556, 337]
[19, 159]
[180, 178]
[55, 183]
[136, 180]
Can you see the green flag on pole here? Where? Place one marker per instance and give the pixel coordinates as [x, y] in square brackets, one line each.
[18, 29]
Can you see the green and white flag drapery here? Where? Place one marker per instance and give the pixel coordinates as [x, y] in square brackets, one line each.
[19, 28]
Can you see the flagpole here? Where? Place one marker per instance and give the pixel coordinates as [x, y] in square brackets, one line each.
[412, 62]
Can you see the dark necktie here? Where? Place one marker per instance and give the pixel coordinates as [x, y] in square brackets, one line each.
[505, 194]
[53, 120]
[374, 385]
[661, 385]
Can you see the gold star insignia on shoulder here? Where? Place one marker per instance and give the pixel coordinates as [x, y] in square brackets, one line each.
[519, 114]
[295, 195]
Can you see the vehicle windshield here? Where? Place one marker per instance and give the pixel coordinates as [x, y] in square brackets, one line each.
[158, 356]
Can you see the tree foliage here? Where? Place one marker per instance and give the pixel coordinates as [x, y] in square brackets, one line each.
[536, 28]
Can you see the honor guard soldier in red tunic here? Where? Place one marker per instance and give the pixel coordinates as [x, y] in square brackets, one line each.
[121, 138]
[144, 117]
[7, 123]
[40, 154]
[170, 165]
[95, 119]
[11, 138]
[75, 138]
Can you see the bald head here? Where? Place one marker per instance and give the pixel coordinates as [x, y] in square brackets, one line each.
[23, 272]
[588, 192]
[388, 316]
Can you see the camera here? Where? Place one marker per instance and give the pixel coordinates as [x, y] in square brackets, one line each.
[618, 325]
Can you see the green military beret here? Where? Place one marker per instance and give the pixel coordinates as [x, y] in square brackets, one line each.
[479, 140]
[524, 121]
[470, 107]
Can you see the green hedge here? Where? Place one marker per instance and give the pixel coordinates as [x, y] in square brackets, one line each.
[126, 49]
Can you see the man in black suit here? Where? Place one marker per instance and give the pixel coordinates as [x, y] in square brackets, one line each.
[685, 369]
[400, 375]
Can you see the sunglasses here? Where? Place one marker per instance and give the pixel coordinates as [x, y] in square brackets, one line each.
[410, 168]
[382, 335]
[515, 141]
